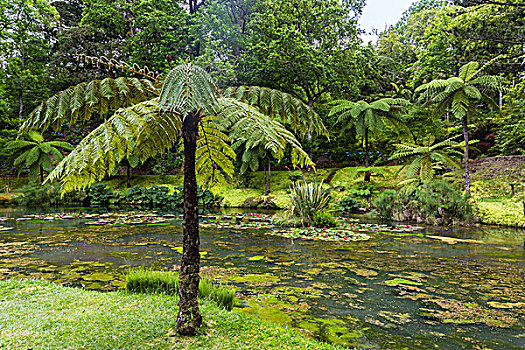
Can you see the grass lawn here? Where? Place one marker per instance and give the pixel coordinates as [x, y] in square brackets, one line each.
[42, 315]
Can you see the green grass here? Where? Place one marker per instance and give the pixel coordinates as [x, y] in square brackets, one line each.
[166, 282]
[40, 315]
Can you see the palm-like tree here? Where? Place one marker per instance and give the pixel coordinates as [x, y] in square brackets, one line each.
[36, 154]
[148, 117]
[426, 159]
[459, 96]
[369, 117]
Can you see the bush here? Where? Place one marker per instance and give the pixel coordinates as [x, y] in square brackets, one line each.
[349, 204]
[99, 195]
[166, 163]
[295, 176]
[146, 281]
[152, 197]
[364, 190]
[323, 219]
[307, 199]
[437, 203]
[49, 194]
[385, 204]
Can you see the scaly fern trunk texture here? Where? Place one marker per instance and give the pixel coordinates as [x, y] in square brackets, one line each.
[467, 175]
[189, 318]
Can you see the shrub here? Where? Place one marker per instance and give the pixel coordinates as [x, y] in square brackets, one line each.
[349, 204]
[385, 204]
[99, 195]
[308, 198]
[49, 194]
[146, 281]
[323, 219]
[159, 197]
[165, 164]
[364, 190]
[295, 176]
[436, 203]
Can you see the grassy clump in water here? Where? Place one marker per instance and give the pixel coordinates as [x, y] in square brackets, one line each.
[166, 282]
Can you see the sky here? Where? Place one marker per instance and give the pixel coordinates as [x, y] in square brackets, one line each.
[377, 14]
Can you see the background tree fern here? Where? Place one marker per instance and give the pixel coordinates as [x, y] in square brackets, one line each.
[427, 159]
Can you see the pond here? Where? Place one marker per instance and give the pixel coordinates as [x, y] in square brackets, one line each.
[437, 288]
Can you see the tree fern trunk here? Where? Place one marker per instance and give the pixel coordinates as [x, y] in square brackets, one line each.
[467, 175]
[269, 177]
[189, 318]
[265, 180]
[128, 176]
[367, 160]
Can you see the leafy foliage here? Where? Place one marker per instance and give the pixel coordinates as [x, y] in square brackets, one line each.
[153, 197]
[307, 199]
[427, 160]
[349, 204]
[436, 203]
[36, 154]
[49, 195]
[323, 219]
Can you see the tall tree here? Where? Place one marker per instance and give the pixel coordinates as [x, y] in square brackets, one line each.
[460, 95]
[25, 33]
[188, 104]
[368, 117]
[302, 46]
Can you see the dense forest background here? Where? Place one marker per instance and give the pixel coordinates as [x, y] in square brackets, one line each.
[309, 48]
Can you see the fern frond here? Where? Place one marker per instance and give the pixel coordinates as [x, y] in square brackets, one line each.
[188, 88]
[85, 99]
[111, 62]
[291, 110]
[214, 156]
[141, 130]
[254, 129]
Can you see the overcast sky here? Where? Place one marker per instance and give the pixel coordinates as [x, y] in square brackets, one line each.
[378, 14]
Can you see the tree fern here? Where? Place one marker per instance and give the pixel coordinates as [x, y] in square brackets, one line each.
[189, 104]
[460, 95]
[35, 154]
[426, 159]
[367, 117]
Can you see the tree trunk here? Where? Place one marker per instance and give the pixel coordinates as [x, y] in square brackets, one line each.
[367, 160]
[20, 105]
[269, 177]
[20, 92]
[41, 175]
[265, 180]
[467, 175]
[189, 318]
[128, 176]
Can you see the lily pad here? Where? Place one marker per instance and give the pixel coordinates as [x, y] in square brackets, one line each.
[256, 258]
[397, 281]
